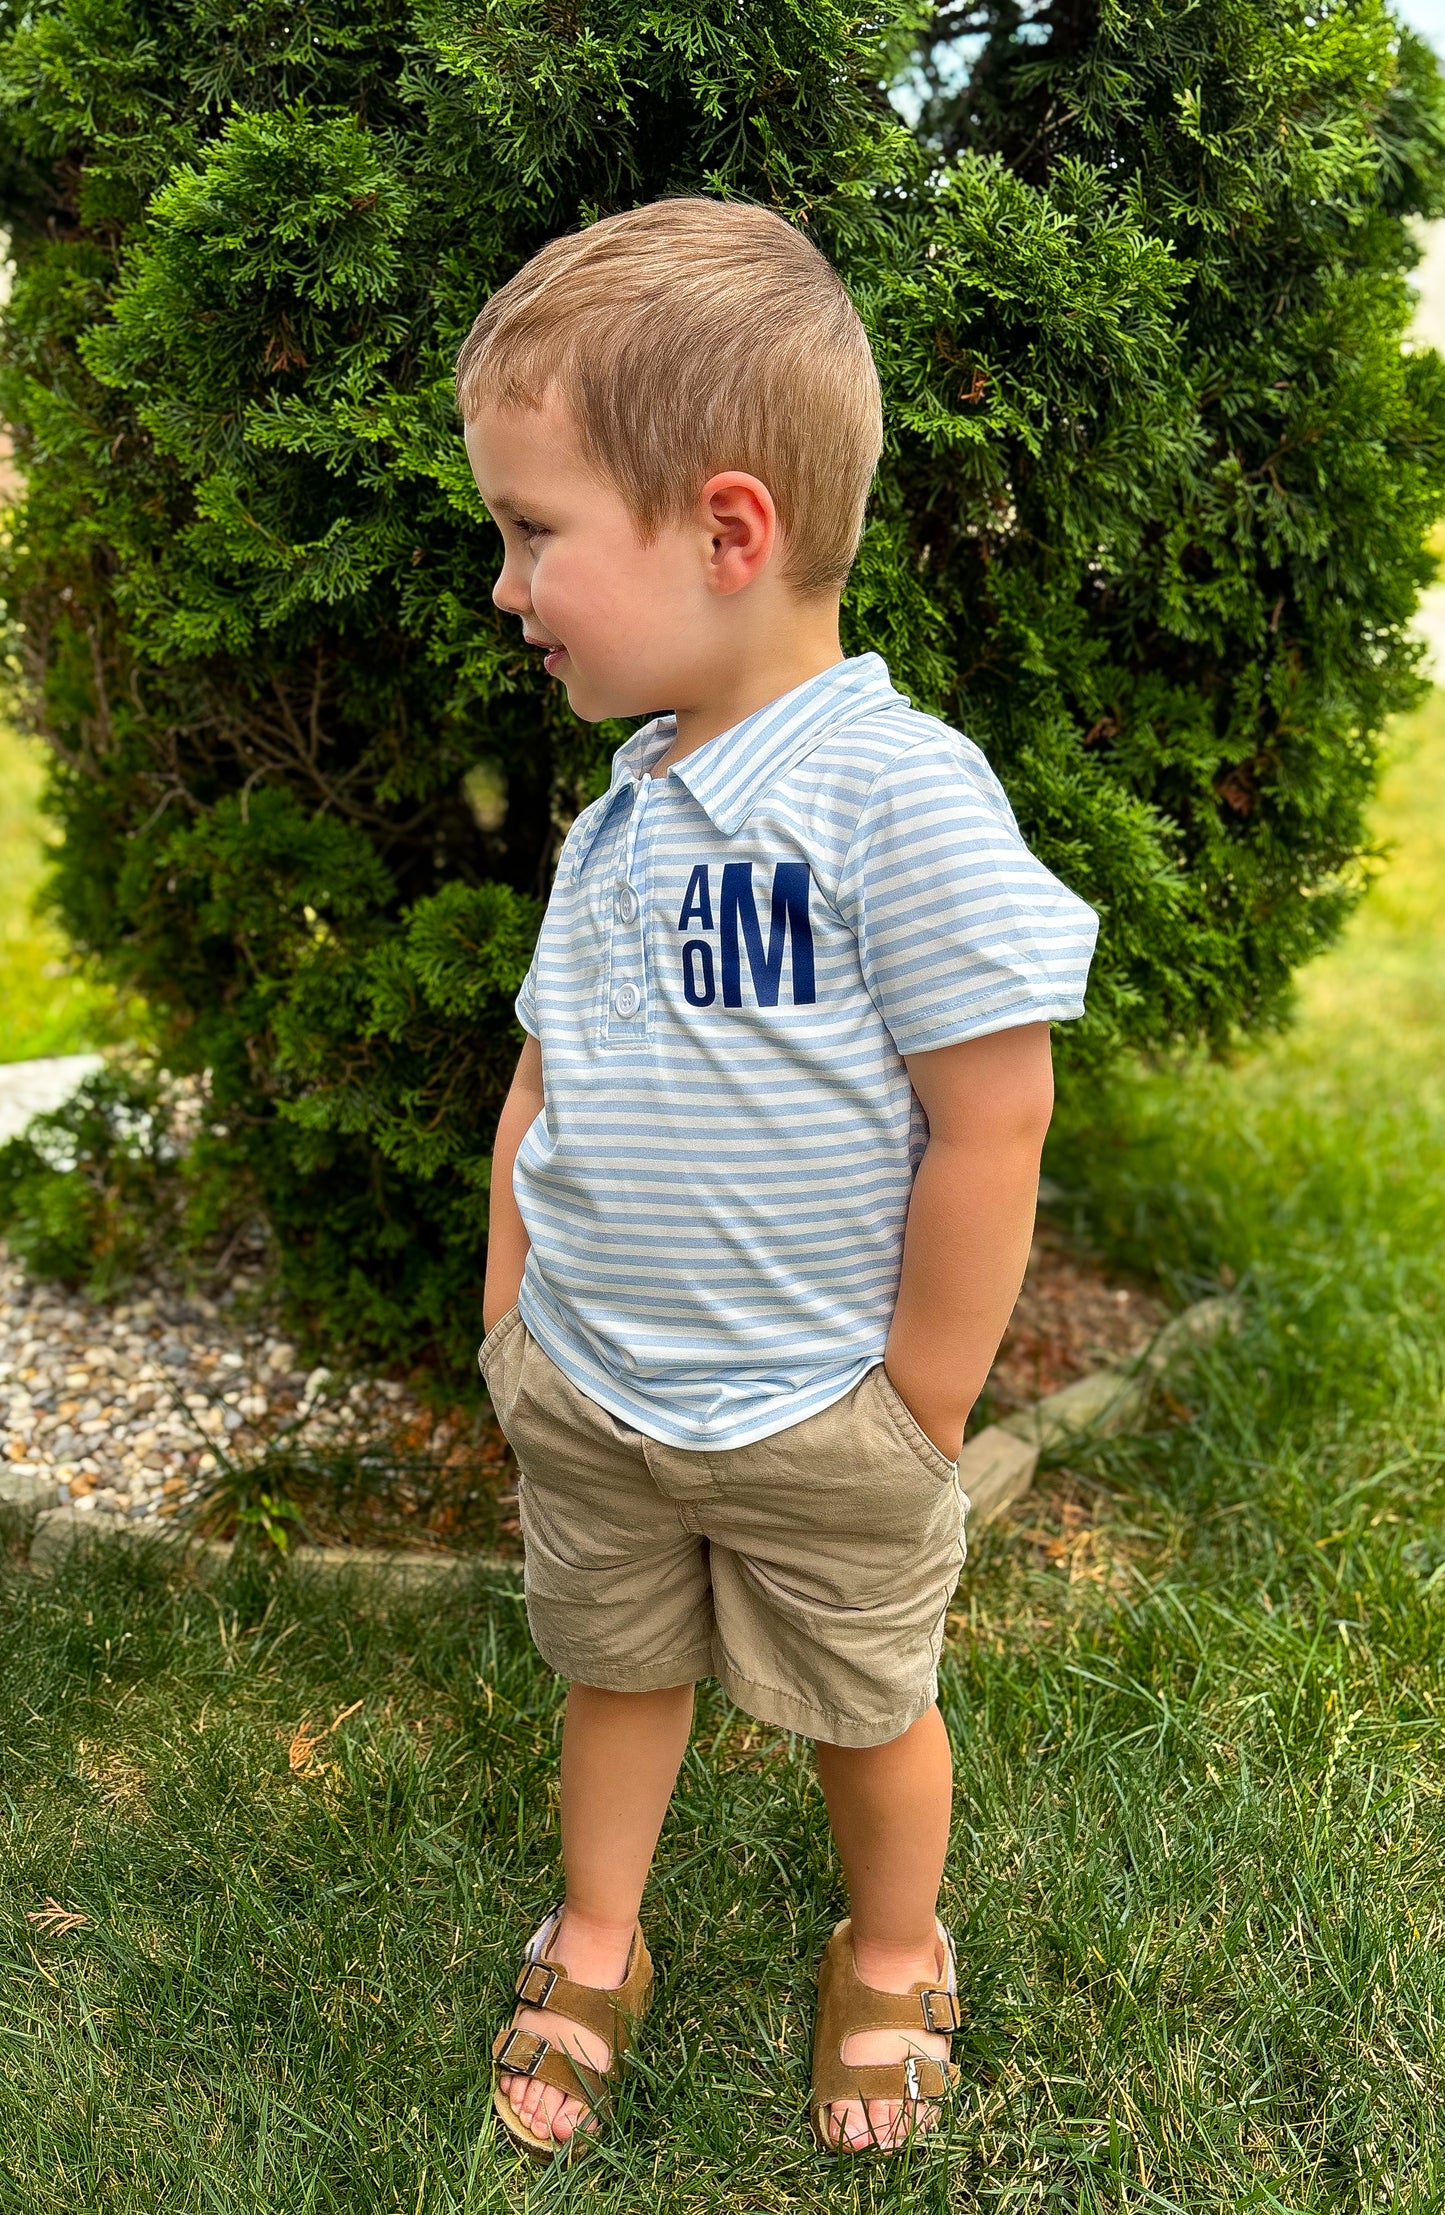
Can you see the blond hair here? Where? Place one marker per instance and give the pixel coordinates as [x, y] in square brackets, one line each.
[688, 337]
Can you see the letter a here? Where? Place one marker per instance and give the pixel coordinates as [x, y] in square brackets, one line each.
[697, 905]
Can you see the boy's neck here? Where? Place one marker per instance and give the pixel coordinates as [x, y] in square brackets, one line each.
[776, 656]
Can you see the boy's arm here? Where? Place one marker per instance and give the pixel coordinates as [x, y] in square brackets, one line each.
[507, 1240]
[970, 1219]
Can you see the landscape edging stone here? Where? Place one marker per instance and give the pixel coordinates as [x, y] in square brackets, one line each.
[995, 1467]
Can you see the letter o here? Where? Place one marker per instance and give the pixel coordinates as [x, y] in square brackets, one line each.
[698, 988]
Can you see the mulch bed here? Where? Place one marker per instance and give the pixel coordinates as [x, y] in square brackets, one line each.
[1072, 1316]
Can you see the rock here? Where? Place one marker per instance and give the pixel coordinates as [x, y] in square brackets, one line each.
[1103, 1402]
[995, 1468]
[1199, 1325]
[1109, 1400]
[25, 1489]
[61, 1529]
[35, 1087]
[370, 1565]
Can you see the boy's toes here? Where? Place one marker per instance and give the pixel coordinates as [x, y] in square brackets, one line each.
[878, 2123]
[543, 2117]
[850, 2122]
[537, 2106]
[571, 2116]
[896, 2121]
[559, 2115]
[545, 2110]
[524, 2094]
[864, 2126]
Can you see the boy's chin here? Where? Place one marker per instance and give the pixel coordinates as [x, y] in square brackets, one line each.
[599, 703]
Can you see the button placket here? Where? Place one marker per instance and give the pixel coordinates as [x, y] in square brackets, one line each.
[627, 1016]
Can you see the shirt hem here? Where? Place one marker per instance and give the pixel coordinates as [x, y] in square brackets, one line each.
[639, 1415]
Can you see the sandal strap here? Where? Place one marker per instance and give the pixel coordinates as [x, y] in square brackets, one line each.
[917, 2077]
[610, 2016]
[546, 1985]
[940, 2011]
[846, 2006]
[932, 2007]
[521, 2053]
[926, 2007]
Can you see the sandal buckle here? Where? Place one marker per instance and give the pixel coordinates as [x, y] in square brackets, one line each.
[534, 2048]
[534, 1995]
[946, 2022]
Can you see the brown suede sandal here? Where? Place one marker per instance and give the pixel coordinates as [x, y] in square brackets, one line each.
[610, 2015]
[844, 2006]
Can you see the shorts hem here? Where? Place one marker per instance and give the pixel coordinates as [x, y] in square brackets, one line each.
[687, 1669]
[785, 1711]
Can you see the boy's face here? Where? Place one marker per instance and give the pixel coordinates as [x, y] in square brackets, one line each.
[624, 625]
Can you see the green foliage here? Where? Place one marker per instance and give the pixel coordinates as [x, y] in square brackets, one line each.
[92, 1190]
[1149, 524]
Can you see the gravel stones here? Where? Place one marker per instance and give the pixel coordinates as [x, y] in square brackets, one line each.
[121, 1408]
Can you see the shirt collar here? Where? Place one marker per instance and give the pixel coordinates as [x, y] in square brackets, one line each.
[730, 774]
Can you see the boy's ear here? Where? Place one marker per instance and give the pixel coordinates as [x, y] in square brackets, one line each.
[742, 528]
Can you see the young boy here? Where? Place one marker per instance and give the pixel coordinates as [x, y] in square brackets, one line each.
[764, 1184]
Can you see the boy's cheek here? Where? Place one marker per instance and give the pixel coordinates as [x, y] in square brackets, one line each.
[560, 607]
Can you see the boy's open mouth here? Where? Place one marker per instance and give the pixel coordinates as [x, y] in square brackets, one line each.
[551, 655]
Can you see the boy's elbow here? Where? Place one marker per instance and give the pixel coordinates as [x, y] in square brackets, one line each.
[1036, 1104]
[1018, 1125]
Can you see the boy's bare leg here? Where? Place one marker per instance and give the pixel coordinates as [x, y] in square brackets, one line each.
[889, 1807]
[620, 1757]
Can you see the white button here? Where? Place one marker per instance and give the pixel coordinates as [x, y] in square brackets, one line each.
[627, 1000]
[627, 903]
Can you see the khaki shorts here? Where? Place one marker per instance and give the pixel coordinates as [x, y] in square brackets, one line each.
[809, 1573]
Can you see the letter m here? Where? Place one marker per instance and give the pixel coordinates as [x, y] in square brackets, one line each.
[790, 916]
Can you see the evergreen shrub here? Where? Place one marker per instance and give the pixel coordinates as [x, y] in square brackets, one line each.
[1149, 525]
[94, 1190]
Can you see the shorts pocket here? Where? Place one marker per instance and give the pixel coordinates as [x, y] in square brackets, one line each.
[491, 1357]
[911, 1431]
[842, 1508]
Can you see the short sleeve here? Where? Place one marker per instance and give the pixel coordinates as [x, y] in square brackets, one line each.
[526, 1001]
[961, 930]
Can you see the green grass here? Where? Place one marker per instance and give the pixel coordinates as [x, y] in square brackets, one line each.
[1196, 1696]
[47, 1006]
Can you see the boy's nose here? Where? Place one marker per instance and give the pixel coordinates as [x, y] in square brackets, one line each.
[511, 595]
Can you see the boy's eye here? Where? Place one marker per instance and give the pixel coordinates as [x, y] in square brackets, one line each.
[528, 528]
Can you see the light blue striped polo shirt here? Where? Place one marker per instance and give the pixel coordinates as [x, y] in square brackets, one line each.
[734, 961]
